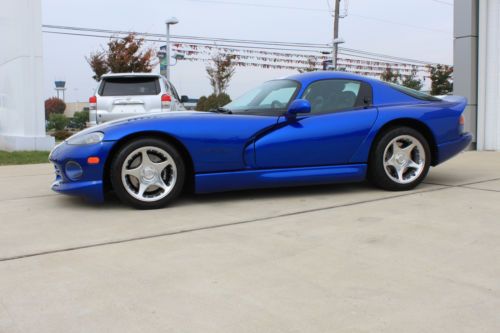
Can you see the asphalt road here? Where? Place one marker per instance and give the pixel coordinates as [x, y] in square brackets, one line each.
[337, 258]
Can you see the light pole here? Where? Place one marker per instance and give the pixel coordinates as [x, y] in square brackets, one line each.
[170, 21]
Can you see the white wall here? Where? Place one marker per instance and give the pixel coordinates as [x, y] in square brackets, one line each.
[22, 123]
[465, 59]
[488, 135]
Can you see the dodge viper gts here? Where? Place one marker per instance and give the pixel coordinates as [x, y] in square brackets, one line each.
[313, 128]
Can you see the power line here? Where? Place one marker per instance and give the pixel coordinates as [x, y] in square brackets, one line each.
[399, 23]
[187, 42]
[329, 10]
[443, 2]
[226, 42]
[248, 4]
[243, 48]
[121, 32]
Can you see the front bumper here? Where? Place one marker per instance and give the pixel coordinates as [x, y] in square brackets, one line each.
[449, 149]
[91, 183]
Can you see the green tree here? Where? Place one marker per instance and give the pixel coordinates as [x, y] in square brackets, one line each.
[220, 70]
[389, 75]
[122, 55]
[411, 81]
[441, 77]
[54, 105]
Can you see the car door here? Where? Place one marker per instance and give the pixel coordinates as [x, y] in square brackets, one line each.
[340, 119]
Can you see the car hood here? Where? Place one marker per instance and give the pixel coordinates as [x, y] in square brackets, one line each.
[145, 117]
[186, 125]
[152, 116]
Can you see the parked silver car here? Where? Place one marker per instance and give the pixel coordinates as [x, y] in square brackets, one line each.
[122, 95]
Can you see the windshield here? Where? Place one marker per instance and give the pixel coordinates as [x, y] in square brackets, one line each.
[271, 98]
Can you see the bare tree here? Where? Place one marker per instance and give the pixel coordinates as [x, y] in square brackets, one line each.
[220, 71]
[311, 65]
[389, 75]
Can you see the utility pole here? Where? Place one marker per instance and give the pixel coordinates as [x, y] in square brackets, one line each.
[336, 40]
[336, 18]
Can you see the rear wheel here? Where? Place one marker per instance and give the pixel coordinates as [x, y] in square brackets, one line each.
[400, 159]
[147, 173]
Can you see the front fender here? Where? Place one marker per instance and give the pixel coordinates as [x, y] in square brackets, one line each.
[214, 142]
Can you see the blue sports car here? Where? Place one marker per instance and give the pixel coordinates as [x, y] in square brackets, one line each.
[314, 128]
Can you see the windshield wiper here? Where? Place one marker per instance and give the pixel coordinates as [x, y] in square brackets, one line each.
[220, 109]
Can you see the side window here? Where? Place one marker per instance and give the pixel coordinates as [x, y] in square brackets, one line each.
[167, 85]
[335, 95]
[176, 95]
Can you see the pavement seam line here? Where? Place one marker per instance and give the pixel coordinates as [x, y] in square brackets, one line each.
[31, 197]
[468, 185]
[28, 175]
[480, 189]
[216, 226]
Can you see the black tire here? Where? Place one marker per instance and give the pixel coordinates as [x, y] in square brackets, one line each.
[377, 171]
[118, 183]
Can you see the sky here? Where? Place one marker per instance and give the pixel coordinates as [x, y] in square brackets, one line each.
[416, 29]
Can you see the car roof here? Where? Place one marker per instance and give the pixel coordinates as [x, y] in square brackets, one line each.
[130, 74]
[325, 75]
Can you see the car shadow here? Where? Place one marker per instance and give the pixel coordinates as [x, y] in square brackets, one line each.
[273, 193]
[186, 199]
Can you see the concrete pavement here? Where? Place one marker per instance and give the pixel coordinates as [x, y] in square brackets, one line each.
[338, 258]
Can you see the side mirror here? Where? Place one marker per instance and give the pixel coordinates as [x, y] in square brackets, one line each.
[298, 106]
[184, 99]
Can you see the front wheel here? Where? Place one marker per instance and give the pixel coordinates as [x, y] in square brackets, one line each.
[400, 159]
[147, 173]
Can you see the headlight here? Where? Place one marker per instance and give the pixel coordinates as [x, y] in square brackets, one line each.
[86, 139]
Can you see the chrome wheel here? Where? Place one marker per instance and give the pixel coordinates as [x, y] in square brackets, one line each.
[149, 174]
[404, 159]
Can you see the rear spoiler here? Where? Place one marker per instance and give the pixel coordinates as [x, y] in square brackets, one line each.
[458, 102]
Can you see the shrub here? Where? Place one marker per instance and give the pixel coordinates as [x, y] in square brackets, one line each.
[62, 135]
[79, 120]
[54, 105]
[223, 99]
[57, 122]
[212, 102]
[200, 106]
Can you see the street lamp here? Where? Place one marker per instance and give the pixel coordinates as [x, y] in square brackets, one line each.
[170, 21]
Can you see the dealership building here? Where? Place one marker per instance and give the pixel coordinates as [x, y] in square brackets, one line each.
[22, 125]
[476, 58]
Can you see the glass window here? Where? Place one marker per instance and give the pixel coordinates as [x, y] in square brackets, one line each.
[334, 95]
[279, 97]
[174, 91]
[270, 96]
[129, 86]
[414, 93]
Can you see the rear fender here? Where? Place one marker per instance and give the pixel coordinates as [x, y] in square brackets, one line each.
[442, 119]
